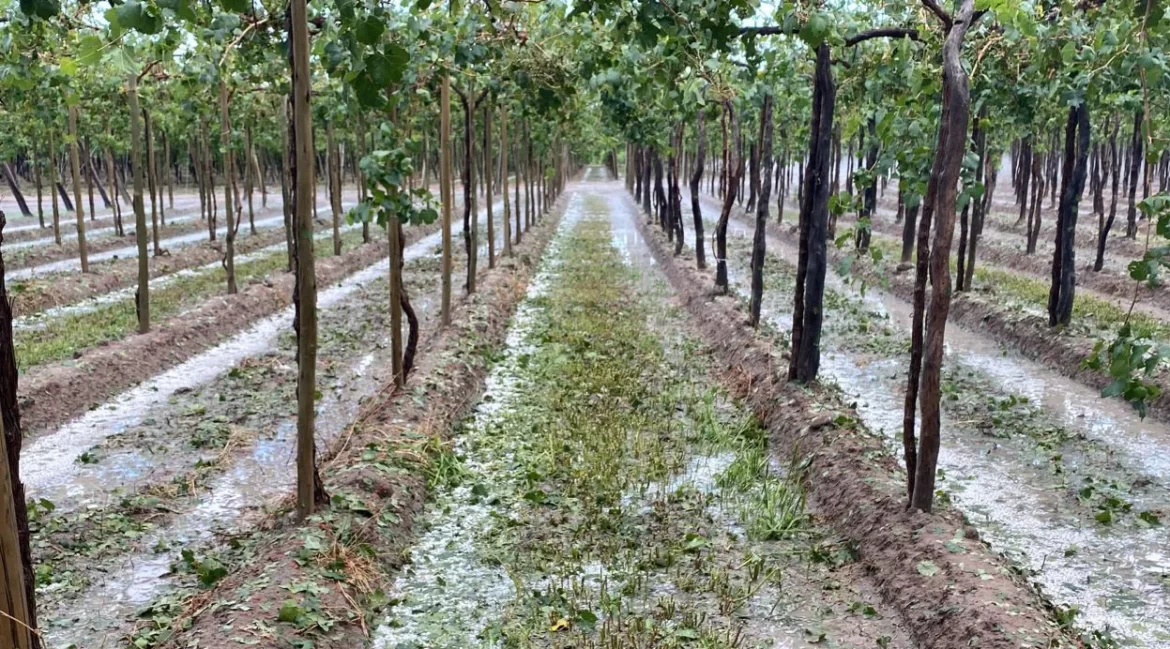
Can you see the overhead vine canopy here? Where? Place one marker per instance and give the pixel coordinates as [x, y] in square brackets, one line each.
[1003, 163]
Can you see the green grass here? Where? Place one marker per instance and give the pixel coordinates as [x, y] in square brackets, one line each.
[587, 474]
[1088, 309]
[63, 336]
[1091, 312]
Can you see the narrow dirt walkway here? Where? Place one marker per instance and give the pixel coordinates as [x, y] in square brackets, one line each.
[607, 493]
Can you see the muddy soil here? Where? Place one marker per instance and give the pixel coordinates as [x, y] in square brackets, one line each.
[178, 474]
[1022, 326]
[1111, 285]
[100, 255]
[1005, 213]
[98, 373]
[34, 295]
[26, 228]
[1024, 329]
[95, 231]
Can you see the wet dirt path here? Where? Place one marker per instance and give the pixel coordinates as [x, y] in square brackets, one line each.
[1071, 486]
[605, 493]
[194, 455]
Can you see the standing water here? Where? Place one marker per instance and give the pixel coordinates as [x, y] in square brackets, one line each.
[1047, 462]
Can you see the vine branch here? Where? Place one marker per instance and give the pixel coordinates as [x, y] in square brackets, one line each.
[941, 13]
[766, 31]
[883, 32]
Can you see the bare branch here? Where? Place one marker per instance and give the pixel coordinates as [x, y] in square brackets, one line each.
[462, 95]
[882, 32]
[146, 70]
[942, 14]
[766, 31]
[236, 41]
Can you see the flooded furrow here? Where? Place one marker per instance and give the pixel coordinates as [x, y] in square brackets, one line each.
[1060, 491]
[1116, 266]
[38, 320]
[73, 264]
[353, 368]
[49, 463]
[175, 242]
[96, 234]
[104, 217]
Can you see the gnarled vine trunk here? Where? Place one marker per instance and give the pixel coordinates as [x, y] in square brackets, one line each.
[759, 238]
[14, 187]
[675, 193]
[812, 264]
[446, 191]
[1135, 151]
[470, 215]
[1023, 173]
[869, 194]
[487, 185]
[53, 188]
[333, 171]
[151, 185]
[942, 195]
[1076, 153]
[1034, 216]
[733, 170]
[968, 245]
[507, 215]
[1106, 223]
[75, 170]
[696, 179]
